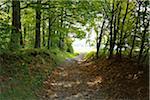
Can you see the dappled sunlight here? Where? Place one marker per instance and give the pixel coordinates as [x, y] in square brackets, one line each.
[73, 82]
[95, 81]
[60, 72]
[65, 83]
[72, 97]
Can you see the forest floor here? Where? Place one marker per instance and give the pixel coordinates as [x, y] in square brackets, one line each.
[100, 79]
[33, 75]
[70, 82]
[23, 72]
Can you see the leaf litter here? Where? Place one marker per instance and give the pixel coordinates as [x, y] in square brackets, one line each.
[102, 79]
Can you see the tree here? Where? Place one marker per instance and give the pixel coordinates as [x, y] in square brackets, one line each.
[16, 36]
[99, 39]
[43, 32]
[145, 26]
[49, 33]
[136, 27]
[122, 28]
[38, 22]
[111, 29]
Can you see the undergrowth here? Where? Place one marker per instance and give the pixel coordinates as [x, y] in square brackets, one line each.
[22, 72]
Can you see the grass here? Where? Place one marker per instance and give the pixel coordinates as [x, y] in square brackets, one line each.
[23, 91]
[90, 55]
[60, 56]
[22, 72]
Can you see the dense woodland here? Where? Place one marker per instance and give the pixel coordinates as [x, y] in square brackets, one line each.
[121, 25]
[48, 27]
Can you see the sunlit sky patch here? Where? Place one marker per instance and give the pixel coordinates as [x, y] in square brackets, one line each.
[81, 46]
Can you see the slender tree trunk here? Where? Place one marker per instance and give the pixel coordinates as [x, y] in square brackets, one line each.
[25, 33]
[43, 31]
[52, 32]
[59, 45]
[144, 34]
[105, 48]
[111, 31]
[145, 56]
[135, 30]
[49, 32]
[115, 35]
[38, 22]
[122, 28]
[117, 30]
[99, 39]
[19, 24]
[21, 40]
[58, 42]
[16, 35]
[60, 34]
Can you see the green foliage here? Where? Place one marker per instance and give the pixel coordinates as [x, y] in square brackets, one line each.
[5, 30]
[90, 55]
[60, 56]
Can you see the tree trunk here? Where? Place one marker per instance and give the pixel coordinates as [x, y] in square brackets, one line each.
[49, 33]
[122, 28]
[99, 40]
[143, 36]
[111, 32]
[60, 34]
[16, 36]
[105, 48]
[135, 30]
[117, 30]
[115, 35]
[24, 39]
[38, 22]
[43, 31]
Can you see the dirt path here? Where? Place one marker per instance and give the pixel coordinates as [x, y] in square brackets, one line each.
[70, 82]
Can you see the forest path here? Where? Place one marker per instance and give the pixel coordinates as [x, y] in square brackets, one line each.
[70, 82]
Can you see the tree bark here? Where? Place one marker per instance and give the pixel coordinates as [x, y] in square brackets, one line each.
[122, 28]
[38, 22]
[25, 33]
[16, 36]
[115, 35]
[60, 34]
[99, 40]
[135, 30]
[49, 33]
[43, 31]
[117, 30]
[111, 31]
[144, 34]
